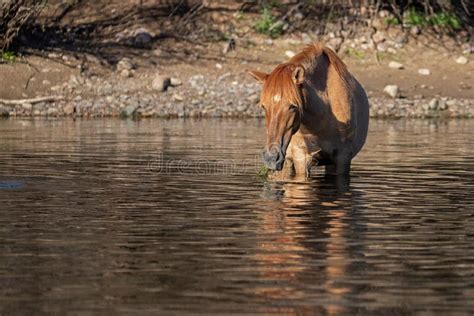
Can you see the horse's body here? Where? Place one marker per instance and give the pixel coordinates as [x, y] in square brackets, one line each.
[316, 113]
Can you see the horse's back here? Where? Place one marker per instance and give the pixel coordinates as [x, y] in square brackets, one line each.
[360, 105]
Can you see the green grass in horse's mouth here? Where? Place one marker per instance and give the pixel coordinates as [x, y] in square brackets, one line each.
[263, 172]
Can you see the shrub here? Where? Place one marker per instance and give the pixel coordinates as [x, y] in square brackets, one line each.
[8, 56]
[447, 20]
[414, 18]
[15, 15]
[268, 24]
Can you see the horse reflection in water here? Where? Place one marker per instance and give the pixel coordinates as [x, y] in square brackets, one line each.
[302, 218]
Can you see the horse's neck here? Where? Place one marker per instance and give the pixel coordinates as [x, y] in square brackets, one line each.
[326, 97]
[316, 108]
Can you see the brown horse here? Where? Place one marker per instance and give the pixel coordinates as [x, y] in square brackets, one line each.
[316, 113]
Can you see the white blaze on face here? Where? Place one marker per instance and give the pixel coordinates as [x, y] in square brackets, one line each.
[276, 98]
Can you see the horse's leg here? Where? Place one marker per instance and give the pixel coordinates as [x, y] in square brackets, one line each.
[302, 164]
[287, 172]
[342, 163]
[288, 168]
[330, 169]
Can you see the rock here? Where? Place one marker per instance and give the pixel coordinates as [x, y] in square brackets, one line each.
[424, 72]
[442, 105]
[27, 106]
[254, 98]
[40, 106]
[4, 112]
[290, 53]
[378, 37]
[384, 13]
[395, 65]
[92, 59]
[268, 42]
[161, 83]
[401, 39]
[196, 81]
[378, 24]
[46, 82]
[382, 47]
[56, 88]
[142, 37]
[175, 82]
[306, 38]
[433, 104]
[52, 112]
[461, 60]
[129, 110]
[335, 43]
[223, 76]
[53, 55]
[399, 45]
[125, 64]
[178, 97]
[451, 102]
[229, 46]
[69, 109]
[392, 90]
[415, 30]
[160, 53]
[391, 50]
[219, 66]
[464, 86]
[125, 73]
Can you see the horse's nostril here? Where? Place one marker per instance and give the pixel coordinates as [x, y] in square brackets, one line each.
[265, 156]
[271, 156]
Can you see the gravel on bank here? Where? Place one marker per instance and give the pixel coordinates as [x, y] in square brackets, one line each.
[228, 95]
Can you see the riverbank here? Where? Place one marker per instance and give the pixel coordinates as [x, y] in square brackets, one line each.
[217, 88]
[237, 100]
[412, 75]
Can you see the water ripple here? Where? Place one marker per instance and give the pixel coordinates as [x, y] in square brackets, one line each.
[169, 217]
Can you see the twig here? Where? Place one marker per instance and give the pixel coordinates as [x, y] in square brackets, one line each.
[376, 55]
[31, 101]
[36, 70]
[286, 15]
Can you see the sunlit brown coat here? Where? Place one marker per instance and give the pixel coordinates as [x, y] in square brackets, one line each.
[316, 113]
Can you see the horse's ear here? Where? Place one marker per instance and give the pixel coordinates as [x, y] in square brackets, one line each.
[258, 75]
[298, 75]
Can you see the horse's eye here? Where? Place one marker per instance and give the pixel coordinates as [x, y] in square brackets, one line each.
[293, 107]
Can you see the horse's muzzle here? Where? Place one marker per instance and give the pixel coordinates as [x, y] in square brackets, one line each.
[273, 159]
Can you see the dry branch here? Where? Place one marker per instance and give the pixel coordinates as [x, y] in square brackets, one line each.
[31, 101]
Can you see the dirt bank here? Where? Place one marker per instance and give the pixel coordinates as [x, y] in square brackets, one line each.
[123, 72]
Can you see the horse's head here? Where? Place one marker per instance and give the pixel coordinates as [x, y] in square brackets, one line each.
[283, 104]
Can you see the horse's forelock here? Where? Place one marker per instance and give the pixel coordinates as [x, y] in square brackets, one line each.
[280, 86]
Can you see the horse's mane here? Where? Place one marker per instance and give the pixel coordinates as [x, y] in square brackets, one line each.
[279, 82]
[309, 55]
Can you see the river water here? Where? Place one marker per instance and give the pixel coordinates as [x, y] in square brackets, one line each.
[156, 216]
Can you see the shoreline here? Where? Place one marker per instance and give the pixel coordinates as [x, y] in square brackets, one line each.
[178, 107]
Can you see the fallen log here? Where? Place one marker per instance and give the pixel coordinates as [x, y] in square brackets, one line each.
[31, 101]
